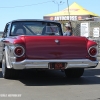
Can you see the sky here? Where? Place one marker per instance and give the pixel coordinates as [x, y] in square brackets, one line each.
[36, 9]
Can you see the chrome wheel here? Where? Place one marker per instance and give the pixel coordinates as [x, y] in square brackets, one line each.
[6, 72]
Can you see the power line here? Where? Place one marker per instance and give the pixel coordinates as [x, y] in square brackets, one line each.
[27, 5]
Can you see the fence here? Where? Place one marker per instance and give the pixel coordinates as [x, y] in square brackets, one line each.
[76, 26]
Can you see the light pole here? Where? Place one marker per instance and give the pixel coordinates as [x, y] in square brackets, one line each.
[68, 10]
[58, 3]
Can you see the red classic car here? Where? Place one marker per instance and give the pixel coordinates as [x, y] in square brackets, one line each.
[40, 44]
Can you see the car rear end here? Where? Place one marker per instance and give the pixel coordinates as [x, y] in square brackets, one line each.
[40, 44]
[55, 52]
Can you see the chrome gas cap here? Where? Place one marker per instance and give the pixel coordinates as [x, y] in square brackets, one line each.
[56, 41]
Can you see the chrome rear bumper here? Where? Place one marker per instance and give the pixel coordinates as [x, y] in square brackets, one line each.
[79, 63]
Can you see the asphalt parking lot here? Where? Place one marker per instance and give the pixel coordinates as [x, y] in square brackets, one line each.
[51, 85]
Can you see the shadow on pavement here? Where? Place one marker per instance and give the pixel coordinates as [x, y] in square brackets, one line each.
[51, 78]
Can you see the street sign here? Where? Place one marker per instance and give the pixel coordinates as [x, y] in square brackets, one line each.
[96, 32]
[84, 29]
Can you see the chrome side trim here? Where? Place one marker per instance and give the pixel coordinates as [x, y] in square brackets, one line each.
[79, 63]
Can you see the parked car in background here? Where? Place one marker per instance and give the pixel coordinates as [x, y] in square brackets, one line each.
[1, 33]
[40, 44]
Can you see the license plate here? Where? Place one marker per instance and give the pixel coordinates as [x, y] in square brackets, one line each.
[57, 65]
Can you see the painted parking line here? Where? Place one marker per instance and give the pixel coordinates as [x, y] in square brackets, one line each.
[97, 75]
[91, 76]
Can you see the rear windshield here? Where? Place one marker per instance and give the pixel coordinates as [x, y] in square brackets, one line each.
[35, 28]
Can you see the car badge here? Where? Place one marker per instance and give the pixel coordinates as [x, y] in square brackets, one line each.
[57, 41]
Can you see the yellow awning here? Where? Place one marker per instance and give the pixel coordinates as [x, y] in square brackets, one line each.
[74, 9]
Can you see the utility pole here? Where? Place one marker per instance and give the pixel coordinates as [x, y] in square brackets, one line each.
[68, 10]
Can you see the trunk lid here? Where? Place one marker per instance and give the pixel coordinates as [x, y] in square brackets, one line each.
[55, 47]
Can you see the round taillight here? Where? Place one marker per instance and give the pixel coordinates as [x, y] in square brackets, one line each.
[93, 51]
[19, 51]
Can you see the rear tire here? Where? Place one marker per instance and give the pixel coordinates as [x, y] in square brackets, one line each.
[74, 72]
[6, 72]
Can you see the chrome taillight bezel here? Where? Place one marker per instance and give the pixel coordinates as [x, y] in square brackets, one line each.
[22, 50]
[96, 47]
